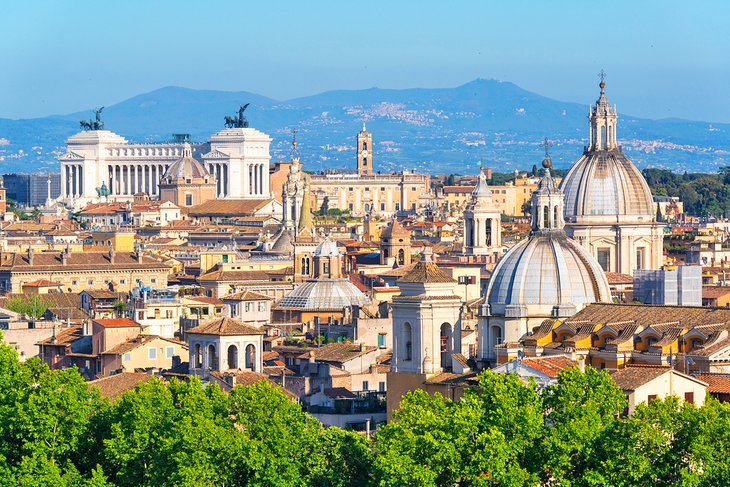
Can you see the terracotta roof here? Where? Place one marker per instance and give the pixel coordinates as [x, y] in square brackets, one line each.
[549, 366]
[398, 271]
[338, 352]
[137, 342]
[64, 336]
[713, 292]
[395, 229]
[42, 283]
[117, 323]
[227, 207]
[116, 385]
[205, 299]
[247, 296]
[225, 327]
[101, 294]
[645, 315]
[219, 275]
[76, 260]
[630, 378]
[426, 272]
[718, 383]
[246, 378]
[619, 278]
[459, 189]
[339, 393]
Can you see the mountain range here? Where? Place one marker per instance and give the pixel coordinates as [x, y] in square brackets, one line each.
[441, 130]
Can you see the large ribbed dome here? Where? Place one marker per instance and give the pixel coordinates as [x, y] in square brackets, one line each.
[548, 269]
[606, 183]
[324, 294]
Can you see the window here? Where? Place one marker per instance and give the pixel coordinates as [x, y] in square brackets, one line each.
[122, 281]
[168, 313]
[233, 309]
[262, 306]
[153, 281]
[604, 256]
[140, 315]
[381, 340]
[651, 397]
[349, 189]
[170, 352]
[381, 386]
[127, 357]
[367, 189]
[351, 206]
[248, 307]
[413, 188]
[365, 385]
[74, 283]
[152, 353]
[90, 282]
[397, 207]
[382, 206]
[382, 188]
[444, 344]
[689, 397]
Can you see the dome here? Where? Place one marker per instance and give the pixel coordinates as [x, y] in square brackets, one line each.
[321, 294]
[606, 183]
[395, 229]
[548, 269]
[186, 167]
[327, 248]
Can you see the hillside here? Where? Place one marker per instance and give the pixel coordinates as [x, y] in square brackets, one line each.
[449, 128]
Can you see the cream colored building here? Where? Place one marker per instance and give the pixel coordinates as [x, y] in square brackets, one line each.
[644, 384]
[609, 208]
[366, 192]
[143, 352]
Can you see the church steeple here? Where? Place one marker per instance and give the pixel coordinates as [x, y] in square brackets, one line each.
[364, 152]
[602, 121]
[547, 200]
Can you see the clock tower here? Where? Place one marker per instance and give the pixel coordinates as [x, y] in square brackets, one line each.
[364, 152]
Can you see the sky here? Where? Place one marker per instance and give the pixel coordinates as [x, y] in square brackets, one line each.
[662, 58]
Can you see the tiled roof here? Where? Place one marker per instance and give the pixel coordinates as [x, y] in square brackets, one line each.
[630, 378]
[117, 323]
[247, 296]
[76, 261]
[713, 292]
[619, 278]
[426, 272]
[137, 342]
[339, 393]
[338, 352]
[205, 299]
[459, 189]
[219, 275]
[42, 283]
[718, 383]
[116, 385]
[549, 366]
[395, 229]
[225, 327]
[645, 315]
[398, 271]
[101, 294]
[64, 336]
[227, 207]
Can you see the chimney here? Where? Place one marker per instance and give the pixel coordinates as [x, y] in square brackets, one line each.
[64, 256]
[86, 328]
[582, 363]
[111, 255]
[30, 254]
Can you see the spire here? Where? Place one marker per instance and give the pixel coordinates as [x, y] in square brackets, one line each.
[482, 187]
[294, 149]
[363, 126]
[305, 215]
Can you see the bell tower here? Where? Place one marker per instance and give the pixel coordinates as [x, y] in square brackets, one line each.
[482, 221]
[364, 152]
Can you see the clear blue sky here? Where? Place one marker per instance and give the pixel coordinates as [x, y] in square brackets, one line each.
[663, 58]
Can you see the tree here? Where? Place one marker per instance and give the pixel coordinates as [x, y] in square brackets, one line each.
[578, 408]
[30, 305]
[323, 210]
[120, 308]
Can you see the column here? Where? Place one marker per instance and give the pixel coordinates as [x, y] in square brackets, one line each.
[81, 180]
[226, 191]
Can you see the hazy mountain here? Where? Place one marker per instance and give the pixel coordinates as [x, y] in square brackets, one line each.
[439, 130]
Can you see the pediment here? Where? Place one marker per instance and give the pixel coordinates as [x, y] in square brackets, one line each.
[216, 154]
[71, 156]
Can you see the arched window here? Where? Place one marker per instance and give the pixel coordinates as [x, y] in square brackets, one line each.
[408, 340]
[251, 357]
[233, 357]
[365, 145]
[366, 208]
[545, 217]
[603, 137]
[555, 216]
[489, 232]
[305, 265]
[198, 356]
[401, 257]
[447, 345]
[495, 338]
[212, 358]
[364, 161]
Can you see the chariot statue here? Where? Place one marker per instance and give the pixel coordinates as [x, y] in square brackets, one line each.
[238, 121]
[96, 124]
